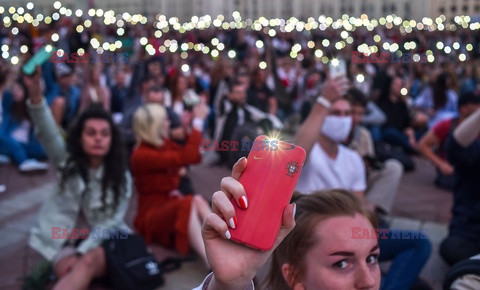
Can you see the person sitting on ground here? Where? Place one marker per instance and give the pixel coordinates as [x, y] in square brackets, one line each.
[438, 101]
[92, 192]
[17, 139]
[94, 91]
[331, 165]
[383, 178]
[66, 100]
[163, 216]
[398, 130]
[436, 138]
[233, 112]
[463, 151]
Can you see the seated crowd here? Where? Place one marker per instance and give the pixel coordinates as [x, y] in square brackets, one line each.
[120, 130]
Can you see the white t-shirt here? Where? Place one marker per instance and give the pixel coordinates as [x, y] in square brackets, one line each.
[321, 172]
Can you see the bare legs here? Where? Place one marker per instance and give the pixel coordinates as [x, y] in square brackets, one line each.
[198, 212]
[77, 272]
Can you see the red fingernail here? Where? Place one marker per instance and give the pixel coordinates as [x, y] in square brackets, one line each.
[243, 202]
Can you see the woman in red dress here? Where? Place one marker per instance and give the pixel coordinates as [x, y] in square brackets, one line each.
[164, 216]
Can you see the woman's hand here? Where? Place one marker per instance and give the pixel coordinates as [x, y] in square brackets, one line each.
[234, 265]
[446, 168]
[201, 110]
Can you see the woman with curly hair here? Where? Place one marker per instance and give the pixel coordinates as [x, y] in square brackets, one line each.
[92, 192]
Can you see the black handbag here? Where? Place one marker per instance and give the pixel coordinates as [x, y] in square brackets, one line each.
[130, 264]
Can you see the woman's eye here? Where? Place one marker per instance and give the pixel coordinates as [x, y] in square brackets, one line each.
[372, 259]
[340, 265]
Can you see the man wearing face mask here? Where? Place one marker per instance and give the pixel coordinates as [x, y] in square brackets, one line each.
[330, 164]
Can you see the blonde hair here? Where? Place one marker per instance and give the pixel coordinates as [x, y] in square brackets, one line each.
[311, 210]
[148, 124]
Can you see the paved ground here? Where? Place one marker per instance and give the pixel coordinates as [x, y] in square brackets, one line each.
[419, 205]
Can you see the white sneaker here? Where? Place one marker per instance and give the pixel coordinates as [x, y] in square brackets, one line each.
[4, 159]
[32, 165]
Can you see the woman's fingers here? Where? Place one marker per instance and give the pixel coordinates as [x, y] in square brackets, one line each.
[239, 167]
[214, 226]
[221, 205]
[234, 189]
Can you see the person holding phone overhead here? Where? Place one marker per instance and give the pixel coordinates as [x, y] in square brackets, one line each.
[314, 248]
[93, 190]
[163, 216]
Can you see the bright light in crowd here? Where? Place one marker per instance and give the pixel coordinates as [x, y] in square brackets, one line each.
[57, 5]
[23, 49]
[335, 62]
[462, 57]
[439, 45]
[360, 78]
[318, 53]
[143, 41]
[259, 44]
[404, 91]
[55, 37]
[232, 54]
[78, 13]
[48, 48]
[185, 68]
[14, 60]
[262, 65]
[30, 5]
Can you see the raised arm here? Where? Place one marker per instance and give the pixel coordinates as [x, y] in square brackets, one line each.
[426, 145]
[46, 129]
[309, 131]
[468, 130]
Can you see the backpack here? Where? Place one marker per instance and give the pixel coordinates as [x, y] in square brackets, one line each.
[131, 265]
[464, 275]
[386, 151]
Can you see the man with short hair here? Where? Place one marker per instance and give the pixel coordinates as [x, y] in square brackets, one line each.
[234, 112]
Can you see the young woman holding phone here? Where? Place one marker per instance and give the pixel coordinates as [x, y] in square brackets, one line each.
[319, 253]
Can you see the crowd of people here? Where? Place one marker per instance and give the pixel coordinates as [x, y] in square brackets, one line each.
[115, 127]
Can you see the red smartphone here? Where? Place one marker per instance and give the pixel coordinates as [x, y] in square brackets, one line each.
[269, 179]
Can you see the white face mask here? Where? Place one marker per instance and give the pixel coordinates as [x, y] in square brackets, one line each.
[337, 128]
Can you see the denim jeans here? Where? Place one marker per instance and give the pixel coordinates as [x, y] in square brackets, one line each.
[20, 152]
[394, 136]
[408, 256]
